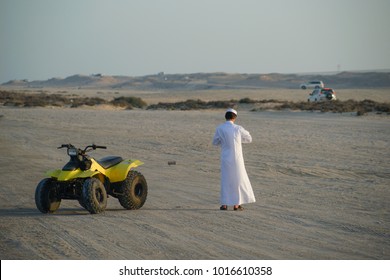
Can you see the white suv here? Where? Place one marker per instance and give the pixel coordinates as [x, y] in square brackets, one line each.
[312, 84]
[322, 94]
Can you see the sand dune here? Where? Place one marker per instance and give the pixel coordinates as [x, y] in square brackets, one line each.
[206, 81]
[321, 183]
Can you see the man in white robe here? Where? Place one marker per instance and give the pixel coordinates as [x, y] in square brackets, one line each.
[236, 188]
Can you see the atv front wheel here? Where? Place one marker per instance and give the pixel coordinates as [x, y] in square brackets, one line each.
[134, 191]
[94, 196]
[45, 196]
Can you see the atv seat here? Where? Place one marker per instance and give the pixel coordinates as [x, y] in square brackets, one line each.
[109, 161]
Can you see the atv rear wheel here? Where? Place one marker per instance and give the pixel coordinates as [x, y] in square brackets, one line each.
[81, 202]
[94, 196]
[134, 191]
[46, 198]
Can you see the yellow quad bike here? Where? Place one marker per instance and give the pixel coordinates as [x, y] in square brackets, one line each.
[90, 181]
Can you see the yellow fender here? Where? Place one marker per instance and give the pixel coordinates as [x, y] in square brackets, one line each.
[61, 175]
[53, 173]
[119, 172]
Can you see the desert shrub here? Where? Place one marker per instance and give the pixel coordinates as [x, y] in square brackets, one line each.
[36, 100]
[89, 101]
[360, 107]
[55, 100]
[222, 104]
[13, 103]
[43, 99]
[269, 101]
[360, 113]
[247, 100]
[192, 104]
[129, 102]
[189, 104]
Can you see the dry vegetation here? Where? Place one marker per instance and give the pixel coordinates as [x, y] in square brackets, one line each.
[21, 99]
[360, 107]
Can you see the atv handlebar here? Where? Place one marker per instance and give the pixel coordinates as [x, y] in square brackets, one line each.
[65, 146]
[93, 146]
[98, 147]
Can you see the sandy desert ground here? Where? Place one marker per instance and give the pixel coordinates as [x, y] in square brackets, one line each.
[321, 181]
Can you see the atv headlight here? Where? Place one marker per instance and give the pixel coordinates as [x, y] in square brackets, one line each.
[72, 152]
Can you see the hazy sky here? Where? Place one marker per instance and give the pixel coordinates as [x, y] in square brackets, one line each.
[41, 39]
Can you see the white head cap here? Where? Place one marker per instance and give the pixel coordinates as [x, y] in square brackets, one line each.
[232, 111]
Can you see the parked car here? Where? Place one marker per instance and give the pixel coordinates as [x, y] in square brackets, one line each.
[312, 84]
[322, 94]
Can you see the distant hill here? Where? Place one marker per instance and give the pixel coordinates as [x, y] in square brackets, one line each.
[208, 81]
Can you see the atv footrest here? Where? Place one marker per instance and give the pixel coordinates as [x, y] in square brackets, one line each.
[109, 161]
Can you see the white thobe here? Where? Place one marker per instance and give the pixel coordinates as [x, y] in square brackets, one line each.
[236, 188]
